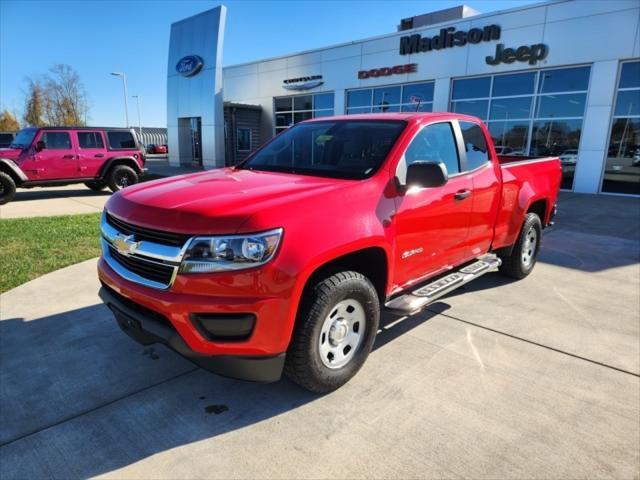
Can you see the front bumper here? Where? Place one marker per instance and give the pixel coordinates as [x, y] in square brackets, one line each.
[147, 327]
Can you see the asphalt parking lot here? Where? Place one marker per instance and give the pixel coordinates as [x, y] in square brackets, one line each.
[537, 378]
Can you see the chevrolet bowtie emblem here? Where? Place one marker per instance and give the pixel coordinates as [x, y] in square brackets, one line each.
[125, 244]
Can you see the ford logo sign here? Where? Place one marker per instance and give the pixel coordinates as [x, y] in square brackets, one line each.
[189, 65]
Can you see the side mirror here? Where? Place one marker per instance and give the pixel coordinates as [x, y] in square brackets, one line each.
[427, 174]
[40, 145]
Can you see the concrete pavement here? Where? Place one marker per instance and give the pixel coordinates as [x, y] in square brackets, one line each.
[537, 378]
[75, 199]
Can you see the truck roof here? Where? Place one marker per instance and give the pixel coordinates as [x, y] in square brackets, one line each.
[124, 129]
[398, 116]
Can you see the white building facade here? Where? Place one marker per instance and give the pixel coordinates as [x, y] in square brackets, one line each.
[558, 78]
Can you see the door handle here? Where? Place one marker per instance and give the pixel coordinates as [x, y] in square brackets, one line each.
[99, 155]
[70, 157]
[462, 194]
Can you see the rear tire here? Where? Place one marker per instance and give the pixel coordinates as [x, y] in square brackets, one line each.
[7, 188]
[121, 176]
[96, 186]
[335, 330]
[525, 252]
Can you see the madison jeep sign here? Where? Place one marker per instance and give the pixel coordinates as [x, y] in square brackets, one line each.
[450, 37]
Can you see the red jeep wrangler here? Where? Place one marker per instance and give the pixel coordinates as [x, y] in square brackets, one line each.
[52, 156]
[287, 260]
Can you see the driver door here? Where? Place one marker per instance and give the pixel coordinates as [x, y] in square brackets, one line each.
[432, 224]
[58, 160]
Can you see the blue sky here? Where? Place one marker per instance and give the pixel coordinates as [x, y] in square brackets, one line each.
[98, 37]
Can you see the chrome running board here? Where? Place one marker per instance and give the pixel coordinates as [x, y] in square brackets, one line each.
[416, 300]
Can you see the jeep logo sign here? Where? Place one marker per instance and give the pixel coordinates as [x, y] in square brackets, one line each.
[190, 65]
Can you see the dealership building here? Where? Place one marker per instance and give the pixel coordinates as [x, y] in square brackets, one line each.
[557, 78]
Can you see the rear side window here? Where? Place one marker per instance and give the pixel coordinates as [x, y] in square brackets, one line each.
[434, 143]
[90, 140]
[121, 140]
[475, 145]
[57, 140]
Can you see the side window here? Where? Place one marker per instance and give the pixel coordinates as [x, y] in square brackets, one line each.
[57, 140]
[244, 139]
[435, 143]
[474, 144]
[90, 140]
[120, 139]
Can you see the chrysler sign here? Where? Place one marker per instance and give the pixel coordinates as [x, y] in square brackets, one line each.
[303, 83]
[190, 65]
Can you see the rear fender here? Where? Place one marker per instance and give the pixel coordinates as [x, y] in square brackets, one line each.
[128, 161]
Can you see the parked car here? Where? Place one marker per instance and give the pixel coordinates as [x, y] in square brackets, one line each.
[285, 261]
[154, 148]
[47, 156]
[569, 157]
[6, 138]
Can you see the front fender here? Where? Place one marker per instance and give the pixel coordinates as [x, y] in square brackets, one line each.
[13, 169]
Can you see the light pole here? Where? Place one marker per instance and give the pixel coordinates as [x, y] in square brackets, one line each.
[139, 121]
[124, 84]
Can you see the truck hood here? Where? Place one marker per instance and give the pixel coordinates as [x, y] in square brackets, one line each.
[10, 153]
[214, 202]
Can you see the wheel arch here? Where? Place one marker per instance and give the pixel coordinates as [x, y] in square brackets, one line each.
[115, 161]
[10, 168]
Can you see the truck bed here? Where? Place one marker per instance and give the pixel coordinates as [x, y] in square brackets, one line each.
[524, 181]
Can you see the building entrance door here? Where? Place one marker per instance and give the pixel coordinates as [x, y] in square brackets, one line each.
[190, 141]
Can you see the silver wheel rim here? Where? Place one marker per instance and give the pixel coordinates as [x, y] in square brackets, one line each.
[342, 333]
[529, 248]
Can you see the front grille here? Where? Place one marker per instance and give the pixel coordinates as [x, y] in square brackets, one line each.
[142, 233]
[148, 269]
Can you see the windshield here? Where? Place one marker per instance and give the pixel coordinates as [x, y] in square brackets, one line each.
[352, 149]
[24, 138]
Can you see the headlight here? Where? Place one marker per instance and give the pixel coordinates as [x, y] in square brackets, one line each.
[234, 252]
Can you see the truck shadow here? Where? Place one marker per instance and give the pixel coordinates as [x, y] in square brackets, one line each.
[74, 382]
[48, 193]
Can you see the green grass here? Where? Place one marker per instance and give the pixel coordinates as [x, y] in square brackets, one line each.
[30, 247]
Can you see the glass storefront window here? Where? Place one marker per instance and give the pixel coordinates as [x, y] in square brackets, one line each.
[510, 138]
[471, 88]
[417, 93]
[527, 120]
[410, 97]
[303, 102]
[510, 108]
[628, 103]
[564, 80]
[557, 106]
[296, 108]
[283, 104]
[517, 84]
[384, 97]
[622, 168]
[477, 108]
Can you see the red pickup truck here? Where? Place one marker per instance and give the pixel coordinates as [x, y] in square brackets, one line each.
[50, 156]
[286, 261]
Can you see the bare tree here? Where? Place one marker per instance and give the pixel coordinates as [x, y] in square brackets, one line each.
[58, 99]
[34, 109]
[67, 95]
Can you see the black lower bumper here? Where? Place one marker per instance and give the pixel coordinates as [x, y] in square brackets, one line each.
[147, 327]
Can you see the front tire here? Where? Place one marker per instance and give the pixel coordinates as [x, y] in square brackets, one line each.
[121, 176]
[7, 188]
[335, 330]
[525, 252]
